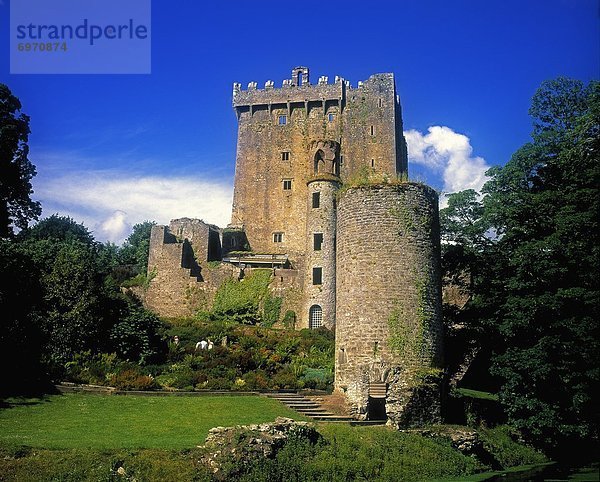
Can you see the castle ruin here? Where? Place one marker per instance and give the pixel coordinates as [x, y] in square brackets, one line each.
[363, 255]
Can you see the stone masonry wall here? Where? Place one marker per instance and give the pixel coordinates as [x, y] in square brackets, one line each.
[388, 306]
[320, 220]
[365, 122]
[181, 280]
[371, 129]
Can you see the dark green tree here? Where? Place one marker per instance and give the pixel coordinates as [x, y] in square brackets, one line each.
[74, 318]
[21, 336]
[137, 335]
[468, 258]
[16, 206]
[137, 246]
[543, 290]
[58, 228]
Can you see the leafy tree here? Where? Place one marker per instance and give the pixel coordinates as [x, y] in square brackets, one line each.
[16, 206]
[137, 335]
[58, 228]
[527, 257]
[542, 296]
[468, 258]
[21, 336]
[73, 291]
[136, 248]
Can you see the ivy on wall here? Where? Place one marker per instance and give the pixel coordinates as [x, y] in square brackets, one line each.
[248, 300]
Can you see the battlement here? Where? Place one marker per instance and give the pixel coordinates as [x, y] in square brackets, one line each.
[298, 89]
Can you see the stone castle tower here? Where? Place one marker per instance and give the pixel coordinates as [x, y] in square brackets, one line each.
[346, 253]
[296, 145]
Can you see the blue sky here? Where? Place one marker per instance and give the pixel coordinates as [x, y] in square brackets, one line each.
[113, 150]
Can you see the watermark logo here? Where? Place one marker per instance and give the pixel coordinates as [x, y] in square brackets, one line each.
[80, 37]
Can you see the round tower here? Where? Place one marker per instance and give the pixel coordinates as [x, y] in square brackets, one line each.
[319, 284]
[388, 313]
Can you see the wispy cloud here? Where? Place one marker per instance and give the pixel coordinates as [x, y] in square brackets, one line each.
[111, 202]
[449, 154]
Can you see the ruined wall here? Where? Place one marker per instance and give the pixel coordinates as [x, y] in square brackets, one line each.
[181, 279]
[388, 306]
[205, 239]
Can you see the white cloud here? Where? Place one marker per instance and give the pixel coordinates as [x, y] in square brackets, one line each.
[115, 228]
[449, 153]
[109, 202]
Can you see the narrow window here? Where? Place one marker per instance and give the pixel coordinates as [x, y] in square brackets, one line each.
[277, 237]
[331, 117]
[285, 156]
[380, 102]
[372, 130]
[282, 120]
[316, 199]
[372, 162]
[287, 184]
[317, 277]
[317, 241]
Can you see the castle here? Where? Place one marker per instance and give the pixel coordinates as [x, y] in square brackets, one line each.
[320, 198]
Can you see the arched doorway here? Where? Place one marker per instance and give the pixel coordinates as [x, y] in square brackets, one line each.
[377, 396]
[315, 317]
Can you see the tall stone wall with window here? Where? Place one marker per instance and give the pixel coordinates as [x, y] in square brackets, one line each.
[289, 133]
[319, 285]
[388, 306]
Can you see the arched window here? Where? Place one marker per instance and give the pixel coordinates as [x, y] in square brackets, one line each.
[315, 316]
[319, 162]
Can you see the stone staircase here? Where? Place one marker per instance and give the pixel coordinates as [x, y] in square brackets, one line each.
[311, 409]
[377, 390]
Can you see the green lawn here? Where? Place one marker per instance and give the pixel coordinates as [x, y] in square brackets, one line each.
[111, 422]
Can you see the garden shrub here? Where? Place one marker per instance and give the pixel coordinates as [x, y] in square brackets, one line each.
[289, 320]
[256, 380]
[318, 378]
[285, 379]
[255, 358]
[137, 336]
[132, 379]
[92, 369]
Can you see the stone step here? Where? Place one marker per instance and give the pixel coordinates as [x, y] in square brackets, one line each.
[332, 418]
[363, 423]
[290, 399]
[320, 413]
[301, 404]
[308, 407]
[312, 410]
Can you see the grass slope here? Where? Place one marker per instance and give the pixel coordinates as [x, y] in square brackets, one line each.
[111, 422]
[110, 438]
